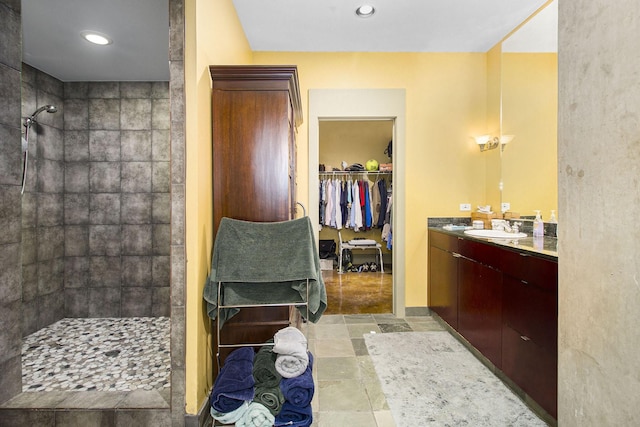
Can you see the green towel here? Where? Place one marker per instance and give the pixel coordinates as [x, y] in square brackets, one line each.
[265, 262]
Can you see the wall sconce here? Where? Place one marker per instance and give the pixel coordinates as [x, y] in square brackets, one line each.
[488, 142]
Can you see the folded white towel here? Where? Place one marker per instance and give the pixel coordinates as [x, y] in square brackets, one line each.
[291, 346]
[230, 417]
[257, 415]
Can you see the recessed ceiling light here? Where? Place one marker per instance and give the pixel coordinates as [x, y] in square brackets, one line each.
[365, 11]
[96, 38]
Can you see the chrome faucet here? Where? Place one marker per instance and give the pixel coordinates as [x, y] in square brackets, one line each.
[511, 228]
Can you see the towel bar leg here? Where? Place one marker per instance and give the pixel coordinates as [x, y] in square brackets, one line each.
[381, 263]
[340, 263]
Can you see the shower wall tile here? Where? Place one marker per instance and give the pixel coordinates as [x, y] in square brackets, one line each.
[50, 209]
[160, 116]
[135, 114]
[76, 90]
[10, 331]
[136, 301]
[104, 114]
[47, 98]
[177, 157]
[136, 271]
[160, 177]
[51, 144]
[136, 145]
[104, 177]
[104, 146]
[104, 240]
[29, 210]
[10, 211]
[50, 176]
[136, 177]
[161, 239]
[76, 302]
[76, 177]
[136, 208]
[160, 90]
[104, 90]
[50, 276]
[29, 317]
[49, 84]
[50, 242]
[11, 24]
[50, 309]
[161, 271]
[76, 114]
[104, 302]
[76, 240]
[9, 79]
[161, 299]
[135, 89]
[104, 272]
[29, 282]
[160, 145]
[76, 208]
[161, 208]
[138, 239]
[31, 186]
[76, 145]
[29, 245]
[105, 208]
[10, 274]
[10, 169]
[76, 272]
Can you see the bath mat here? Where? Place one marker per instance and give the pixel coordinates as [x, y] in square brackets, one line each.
[430, 379]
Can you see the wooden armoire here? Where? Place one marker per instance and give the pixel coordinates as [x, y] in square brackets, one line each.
[255, 112]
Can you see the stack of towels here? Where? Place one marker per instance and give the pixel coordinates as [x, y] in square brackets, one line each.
[271, 388]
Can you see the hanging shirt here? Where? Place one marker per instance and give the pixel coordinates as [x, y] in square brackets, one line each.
[338, 208]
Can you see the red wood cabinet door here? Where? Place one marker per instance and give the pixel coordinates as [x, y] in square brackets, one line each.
[251, 159]
[443, 285]
[480, 308]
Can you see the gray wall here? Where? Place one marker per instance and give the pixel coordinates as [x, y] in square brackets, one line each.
[10, 206]
[599, 198]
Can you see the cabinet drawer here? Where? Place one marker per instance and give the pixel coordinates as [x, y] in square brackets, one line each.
[443, 241]
[532, 368]
[530, 269]
[531, 311]
[480, 252]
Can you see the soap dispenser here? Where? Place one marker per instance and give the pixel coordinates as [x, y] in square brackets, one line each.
[538, 225]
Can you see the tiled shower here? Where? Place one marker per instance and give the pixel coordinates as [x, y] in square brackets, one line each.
[96, 208]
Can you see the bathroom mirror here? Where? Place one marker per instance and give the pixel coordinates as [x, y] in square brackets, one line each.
[529, 98]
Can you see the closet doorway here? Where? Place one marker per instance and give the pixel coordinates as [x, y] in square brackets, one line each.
[355, 205]
[365, 105]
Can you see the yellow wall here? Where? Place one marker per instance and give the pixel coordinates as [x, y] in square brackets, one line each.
[494, 119]
[446, 105]
[213, 35]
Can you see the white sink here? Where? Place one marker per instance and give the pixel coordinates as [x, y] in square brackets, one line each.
[495, 234]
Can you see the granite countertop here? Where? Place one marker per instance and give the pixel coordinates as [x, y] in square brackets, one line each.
[547, 247]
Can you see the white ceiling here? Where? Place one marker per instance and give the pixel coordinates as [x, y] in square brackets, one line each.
[140, 31]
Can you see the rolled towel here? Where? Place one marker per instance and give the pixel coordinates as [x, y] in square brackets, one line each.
[291, 346]
[295, 416]
[230, 417]
[264, 368]
[271, 397]
[299, 390]
[257, 415]
[234, 383]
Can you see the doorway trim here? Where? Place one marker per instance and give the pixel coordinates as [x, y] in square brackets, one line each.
[365, 104]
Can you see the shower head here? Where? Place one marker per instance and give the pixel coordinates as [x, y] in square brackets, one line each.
[32, 118]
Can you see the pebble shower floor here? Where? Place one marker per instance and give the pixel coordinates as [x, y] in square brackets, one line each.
[104, 354]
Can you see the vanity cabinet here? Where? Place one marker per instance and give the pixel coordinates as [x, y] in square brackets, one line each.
[530, 326]
[443, 277]
[504, 302]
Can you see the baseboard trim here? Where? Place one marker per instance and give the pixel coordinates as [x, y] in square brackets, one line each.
[417, 311]
[201, 419]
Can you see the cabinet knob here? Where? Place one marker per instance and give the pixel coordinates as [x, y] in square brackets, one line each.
[525, 338]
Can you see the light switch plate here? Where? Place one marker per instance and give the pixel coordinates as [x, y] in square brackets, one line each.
[465, 207]
[505, 206]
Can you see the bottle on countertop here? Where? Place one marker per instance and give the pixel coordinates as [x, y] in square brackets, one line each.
[552, 218]
[538, 225]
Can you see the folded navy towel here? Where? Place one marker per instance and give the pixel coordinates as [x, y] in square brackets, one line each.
[295, 416]
[234, 384]
[299, 390]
